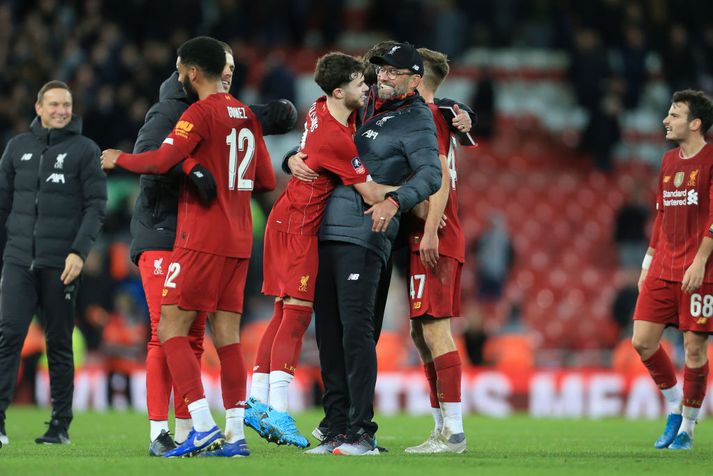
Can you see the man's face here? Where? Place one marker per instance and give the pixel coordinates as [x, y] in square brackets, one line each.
[355, 93]
[393, 82]
[226, 78]
[55, 108]
[184, 73]
[676, 122]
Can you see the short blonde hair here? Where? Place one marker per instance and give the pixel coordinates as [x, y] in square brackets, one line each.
[435, 66]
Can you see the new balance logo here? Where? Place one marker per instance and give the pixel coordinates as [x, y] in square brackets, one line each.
[26, 157]
[370, 134]
[393, 50]
[198, 174]
[55, 178]
[353, 277]
[60, 161]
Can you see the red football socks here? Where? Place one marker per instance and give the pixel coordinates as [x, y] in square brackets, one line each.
[288, 340]
[430, 370]
[185, 369]
[233, 377]
[661, 369]
[448, 371]
[694, 385]
[262, 358]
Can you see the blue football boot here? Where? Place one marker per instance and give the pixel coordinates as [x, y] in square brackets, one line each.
[255, 411]
[239, 449]
[197, 442]
[280, 427]
[673, 423]
[682, 442]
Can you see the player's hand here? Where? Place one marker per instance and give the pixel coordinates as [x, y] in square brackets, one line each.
[462, 120]
[428, 249]
[642, 278]
[299, 169]
[693, 277]
[381, 215]
[108, 158]
[73, 265]
[204, 183]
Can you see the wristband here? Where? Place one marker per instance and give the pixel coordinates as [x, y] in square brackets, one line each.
[647, 261]
[188, 165]
[391, 199]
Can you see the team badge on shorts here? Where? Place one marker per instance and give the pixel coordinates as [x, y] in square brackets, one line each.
[303, 283]
[164, 292]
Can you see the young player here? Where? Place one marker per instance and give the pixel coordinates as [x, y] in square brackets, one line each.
[209, 262]
[290, 255]
[435, 268]
[676, 283]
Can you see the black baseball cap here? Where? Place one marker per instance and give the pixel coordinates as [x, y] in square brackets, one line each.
[401, 56]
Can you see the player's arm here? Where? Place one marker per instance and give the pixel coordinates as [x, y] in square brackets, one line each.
[693, 277]
[655, 233]
[373, 192]
[152, 162]
[265, 179]
[428, 248]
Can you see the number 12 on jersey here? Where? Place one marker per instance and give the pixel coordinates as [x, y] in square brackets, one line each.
[244, 142]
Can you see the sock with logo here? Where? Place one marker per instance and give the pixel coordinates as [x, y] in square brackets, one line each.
[185, 370]
[286, 351]
[694, 391]
[233, 378]
[260, 384]
[661, 369]
[234, 429]
[448, 370]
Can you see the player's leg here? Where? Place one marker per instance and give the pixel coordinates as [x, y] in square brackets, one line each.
[358, 275]
[329, 334]
[225, 324]
[260, 386]
[656, 307]
[695, 380]
[184, 423]
[447, 363]
[57, 308]
[19, 302]
[152, 266]
[192, 283]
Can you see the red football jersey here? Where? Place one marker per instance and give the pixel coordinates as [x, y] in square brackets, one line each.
[331, 153]
[451, 241]
[683, 202]
[224, 136]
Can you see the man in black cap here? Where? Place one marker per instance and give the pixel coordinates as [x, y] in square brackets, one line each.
[397, 143]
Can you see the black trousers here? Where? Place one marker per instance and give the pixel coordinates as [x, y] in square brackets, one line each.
[24, 292]
[346, 293]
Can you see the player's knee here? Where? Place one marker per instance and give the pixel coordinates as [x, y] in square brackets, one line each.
[695, 354]
[644, 347]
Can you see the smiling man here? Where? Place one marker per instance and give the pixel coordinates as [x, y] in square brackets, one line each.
[52, 198]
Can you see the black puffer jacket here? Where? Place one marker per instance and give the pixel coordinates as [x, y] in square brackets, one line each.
[153, 224]
[52, 195]
[398, 146]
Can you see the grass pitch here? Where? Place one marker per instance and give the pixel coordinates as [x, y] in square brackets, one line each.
[116, 444]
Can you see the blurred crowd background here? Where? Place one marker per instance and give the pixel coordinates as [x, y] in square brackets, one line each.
[556, 200]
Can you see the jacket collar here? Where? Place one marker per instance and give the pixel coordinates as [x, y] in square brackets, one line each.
[382, 106]
[51, 137]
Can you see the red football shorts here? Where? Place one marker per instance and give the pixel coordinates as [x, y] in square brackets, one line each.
[663, 302]
[435, 291]
[152, 268]
[290, 265]
[200, 281]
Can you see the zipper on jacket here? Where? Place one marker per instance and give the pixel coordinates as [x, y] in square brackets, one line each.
[37, 210]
